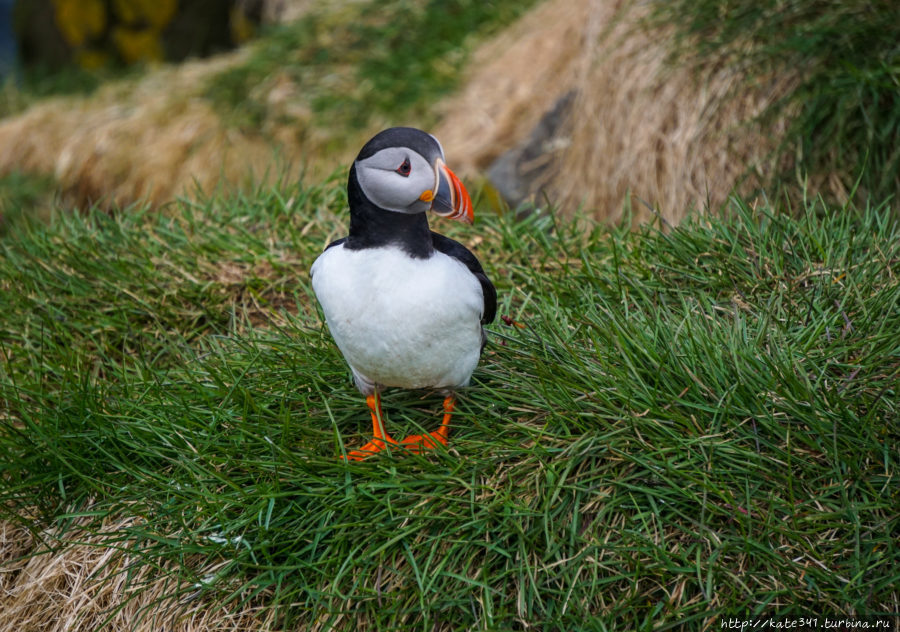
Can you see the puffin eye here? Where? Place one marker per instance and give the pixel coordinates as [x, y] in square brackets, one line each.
[405, 168]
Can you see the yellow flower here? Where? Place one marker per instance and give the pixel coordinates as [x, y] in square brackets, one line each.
[154, 13]
[80, 20]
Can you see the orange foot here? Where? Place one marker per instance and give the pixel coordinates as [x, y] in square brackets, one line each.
[413, 443]
[381, 438]
[372, 447]
[420, 443]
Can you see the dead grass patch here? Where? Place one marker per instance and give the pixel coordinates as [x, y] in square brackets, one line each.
[680, 138]
[514, 79]
[151, 141]
[89, 583]
[676, 137]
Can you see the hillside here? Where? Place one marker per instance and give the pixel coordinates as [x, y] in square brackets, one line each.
[592, 104]
[687, 407]
[687, 425]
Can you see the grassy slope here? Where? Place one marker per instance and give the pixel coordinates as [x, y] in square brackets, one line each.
[845, 110]
[355, 63]
[688, 424]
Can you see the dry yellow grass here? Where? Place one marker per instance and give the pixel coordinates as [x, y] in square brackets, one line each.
[679, 138]
[513, 80]
[152, 140]
[674, 137]
[87, 584]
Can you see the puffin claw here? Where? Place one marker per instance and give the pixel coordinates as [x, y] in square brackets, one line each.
[380, 438]
[420, 443]
[414, 443]
[372, 447]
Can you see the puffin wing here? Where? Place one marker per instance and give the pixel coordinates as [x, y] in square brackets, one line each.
[336, 242]
[459, 252]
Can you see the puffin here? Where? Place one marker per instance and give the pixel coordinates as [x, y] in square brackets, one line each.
[406, 306]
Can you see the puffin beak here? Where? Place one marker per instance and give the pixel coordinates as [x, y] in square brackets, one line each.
[451, 199]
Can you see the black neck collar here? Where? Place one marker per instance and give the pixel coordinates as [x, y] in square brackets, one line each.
[372, 226]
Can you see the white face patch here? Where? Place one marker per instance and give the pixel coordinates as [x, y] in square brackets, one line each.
[382, 180]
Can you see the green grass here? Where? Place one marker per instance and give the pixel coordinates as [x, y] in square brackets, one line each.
[24, 197]
[845, 111]
[688, 425]
[37, 83]
[389, 59]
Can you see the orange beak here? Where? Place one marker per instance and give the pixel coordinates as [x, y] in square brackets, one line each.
[451, 199]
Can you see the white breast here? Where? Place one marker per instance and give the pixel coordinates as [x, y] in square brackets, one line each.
[399, 321]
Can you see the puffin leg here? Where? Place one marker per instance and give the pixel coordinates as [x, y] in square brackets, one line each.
[380, 437]
[420, 443]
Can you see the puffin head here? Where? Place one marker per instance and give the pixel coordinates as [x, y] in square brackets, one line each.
[401, 169]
